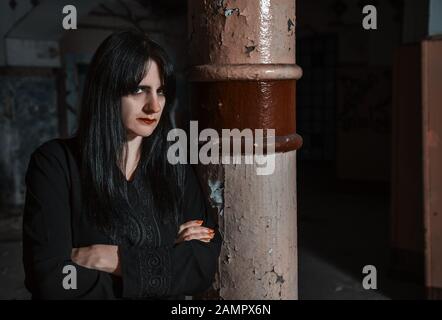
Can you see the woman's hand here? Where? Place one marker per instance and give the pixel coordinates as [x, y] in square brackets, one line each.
[99, 257]
[192, 230]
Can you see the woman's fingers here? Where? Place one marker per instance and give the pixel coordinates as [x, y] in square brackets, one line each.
[192, 223]
[196, 233]
[198, 236]
[196, 230]
[193, 230]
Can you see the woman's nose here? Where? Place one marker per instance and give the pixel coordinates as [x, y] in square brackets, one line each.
[152, 105]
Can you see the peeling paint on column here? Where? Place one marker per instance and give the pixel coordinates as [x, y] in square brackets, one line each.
[256, 214]
[268, 233]
[212, 182]
[216, 196]
[290, 25]
[249, 49]
[229, 12]
[213, 42]
[222, 8]
[219, 6]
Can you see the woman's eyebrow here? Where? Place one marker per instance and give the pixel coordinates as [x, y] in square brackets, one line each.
[145, 87]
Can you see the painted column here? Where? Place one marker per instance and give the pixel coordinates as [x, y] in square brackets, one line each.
[243, 76]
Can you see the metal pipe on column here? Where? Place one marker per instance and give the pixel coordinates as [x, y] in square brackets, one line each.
[243, 76]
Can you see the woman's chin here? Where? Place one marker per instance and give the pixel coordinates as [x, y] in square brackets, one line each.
[146, 132]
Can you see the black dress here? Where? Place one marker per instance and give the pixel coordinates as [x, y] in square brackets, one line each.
[152, 266]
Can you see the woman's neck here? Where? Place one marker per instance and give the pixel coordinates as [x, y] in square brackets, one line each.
[132, 154]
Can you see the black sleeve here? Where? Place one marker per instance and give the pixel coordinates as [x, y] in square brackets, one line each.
[184, 269]
[47, 242]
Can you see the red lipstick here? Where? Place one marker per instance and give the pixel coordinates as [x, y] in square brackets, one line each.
[147, 121]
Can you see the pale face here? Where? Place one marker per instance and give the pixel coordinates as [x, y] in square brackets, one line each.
[141, 111]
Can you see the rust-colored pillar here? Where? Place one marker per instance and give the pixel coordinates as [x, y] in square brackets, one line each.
[432, 160]
[243, 76]
[417, 165]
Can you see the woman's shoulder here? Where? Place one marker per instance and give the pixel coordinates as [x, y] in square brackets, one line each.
[55, 149]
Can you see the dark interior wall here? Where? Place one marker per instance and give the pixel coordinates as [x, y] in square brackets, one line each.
[28, 101]
[344, 97]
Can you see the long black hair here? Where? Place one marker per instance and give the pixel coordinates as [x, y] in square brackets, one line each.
[116, 70]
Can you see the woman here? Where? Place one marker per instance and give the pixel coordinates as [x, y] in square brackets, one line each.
[106, 216]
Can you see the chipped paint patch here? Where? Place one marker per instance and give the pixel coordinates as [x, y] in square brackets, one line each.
[221, 8]
[249, 49]
[290, 25]
[230, 12]
[219, 5]
[216, 189]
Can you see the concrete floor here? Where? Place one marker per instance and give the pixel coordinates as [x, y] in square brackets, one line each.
[11, 270]
[342, 228]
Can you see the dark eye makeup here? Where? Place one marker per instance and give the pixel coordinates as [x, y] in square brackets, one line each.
[141, 89]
